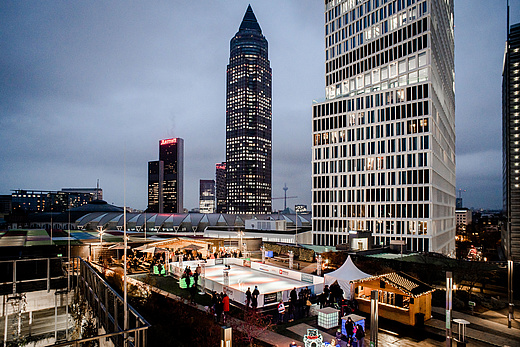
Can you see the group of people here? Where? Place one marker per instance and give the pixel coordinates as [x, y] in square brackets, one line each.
[133, 261]
[187, 255]
[191, 279]
[352, 330]
[228, 254]
[252, 298]
[331, 295]
[299, 304]
[219, 306]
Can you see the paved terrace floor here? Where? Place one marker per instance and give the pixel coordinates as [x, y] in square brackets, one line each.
[486, 329]
[489, 327]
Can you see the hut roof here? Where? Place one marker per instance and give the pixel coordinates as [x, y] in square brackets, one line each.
[406, 283]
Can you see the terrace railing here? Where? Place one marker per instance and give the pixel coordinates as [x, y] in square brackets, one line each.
[108, 308]
[21, 276]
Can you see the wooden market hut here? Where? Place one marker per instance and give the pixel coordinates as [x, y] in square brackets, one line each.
[402, 298]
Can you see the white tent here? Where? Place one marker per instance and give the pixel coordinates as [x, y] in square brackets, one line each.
[346, 273]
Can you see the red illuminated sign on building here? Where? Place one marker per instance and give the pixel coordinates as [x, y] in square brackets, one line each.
[168, 141]
[221, 166]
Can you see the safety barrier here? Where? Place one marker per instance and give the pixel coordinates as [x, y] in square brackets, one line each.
[314, 283]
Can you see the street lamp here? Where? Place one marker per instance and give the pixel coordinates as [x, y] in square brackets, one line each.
[449, 298]
[511, 311]
[68, 272]
[145, 225]
[101, 231]
[296, 226]
[51, 222]
[374, 317]
[241, 246]
[380, 232]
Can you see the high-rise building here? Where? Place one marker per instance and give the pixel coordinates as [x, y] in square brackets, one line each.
[248, 121]
[220, 181]
[510, 143]
[384, 138]
[166, 178]
[155, 184]
[207, 196]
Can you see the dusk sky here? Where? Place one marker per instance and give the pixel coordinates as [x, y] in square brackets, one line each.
[84, 85]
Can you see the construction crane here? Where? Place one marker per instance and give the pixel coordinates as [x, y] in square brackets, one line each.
[285, 197]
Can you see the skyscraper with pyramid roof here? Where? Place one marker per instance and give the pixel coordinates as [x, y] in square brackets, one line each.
[248, 120]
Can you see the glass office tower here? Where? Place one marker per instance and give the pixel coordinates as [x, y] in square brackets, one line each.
[248, 121]
[383, 151]
[511, 143]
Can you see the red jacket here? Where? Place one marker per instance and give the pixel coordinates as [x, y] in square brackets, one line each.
[225, 300]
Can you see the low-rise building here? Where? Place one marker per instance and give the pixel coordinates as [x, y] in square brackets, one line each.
[464, 216]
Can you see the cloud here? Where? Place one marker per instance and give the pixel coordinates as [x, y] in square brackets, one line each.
[89, 88]
[480, 175]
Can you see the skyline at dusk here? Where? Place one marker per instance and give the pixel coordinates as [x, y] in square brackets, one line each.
[86, 87]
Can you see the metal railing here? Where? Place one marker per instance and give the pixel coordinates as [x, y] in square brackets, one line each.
[108, 308]
[25, 275]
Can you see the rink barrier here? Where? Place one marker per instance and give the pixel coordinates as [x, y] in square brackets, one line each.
[314, 283]
[292, 274]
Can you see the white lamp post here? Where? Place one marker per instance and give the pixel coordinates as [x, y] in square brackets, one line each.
[296, 227]
[101, 231]
[449, 297]
[241, 246]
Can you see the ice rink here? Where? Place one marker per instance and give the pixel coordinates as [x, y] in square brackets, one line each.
[242, 277]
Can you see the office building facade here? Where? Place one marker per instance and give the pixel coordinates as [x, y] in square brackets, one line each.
[155, 184]
[383, 154]
[166, 178]
[53, 201]
[207, 196]
[220, 187]
[511, 144]
[248, 121]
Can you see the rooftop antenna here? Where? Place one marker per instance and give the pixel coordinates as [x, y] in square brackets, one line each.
[97, 190]
[508, 21]
[285, 196]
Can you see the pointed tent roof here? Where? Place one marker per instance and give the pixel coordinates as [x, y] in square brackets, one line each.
[249, 22]
[348, 271]
[344, 275]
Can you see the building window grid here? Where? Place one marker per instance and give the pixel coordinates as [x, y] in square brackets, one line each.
[339, 31]
[315, 154]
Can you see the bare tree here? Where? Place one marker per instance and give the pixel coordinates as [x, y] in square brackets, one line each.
[254, 324]
[469, 275]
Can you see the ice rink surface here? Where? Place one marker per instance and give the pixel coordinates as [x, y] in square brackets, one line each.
[242, 277]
